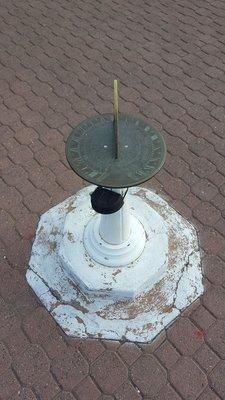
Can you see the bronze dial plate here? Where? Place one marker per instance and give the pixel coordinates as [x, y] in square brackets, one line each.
[91, 151]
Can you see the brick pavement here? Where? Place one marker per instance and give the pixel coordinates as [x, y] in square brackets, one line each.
[57, 63]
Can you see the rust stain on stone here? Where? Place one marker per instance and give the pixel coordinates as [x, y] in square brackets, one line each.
[52, 246]
[130, 308]
[79, 292]
[70, 237]
[70, 207]
[55, 231]
[173, 244]
[167, 309]
[148, 327]
[160, 208]
[140, 193]
[79, 307]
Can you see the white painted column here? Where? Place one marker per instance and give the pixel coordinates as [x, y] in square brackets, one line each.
[115, 239]
[115, 228]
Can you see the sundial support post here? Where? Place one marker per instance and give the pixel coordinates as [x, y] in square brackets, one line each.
[115, 238]
[115, 228]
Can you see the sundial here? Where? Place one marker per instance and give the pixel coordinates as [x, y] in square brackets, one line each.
[115, 150]
[109, 262]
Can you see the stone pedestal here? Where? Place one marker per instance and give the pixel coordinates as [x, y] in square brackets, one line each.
[97, 284]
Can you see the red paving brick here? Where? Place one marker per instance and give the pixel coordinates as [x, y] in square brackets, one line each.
[87, 390]
[167, 392]
[69, 369]
[215, 338]
[216, 379]
[167, 354]
[187, 378]
[148, 375]
[129, 352]
[206, 358]
[185, 336]
[109, 372]
[64, 396]
[23, 394]
[127, 391]
[31, 366]
[57, 66]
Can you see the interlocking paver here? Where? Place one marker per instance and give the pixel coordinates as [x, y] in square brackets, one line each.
[149, 348]
[111, 344]
[91, 349]
[5, 359]
[20, 153]
[202, 167]
[16, 342]
[9, 321]
[127, 391]
[214, 300]
[54, 346]
[12, 283]
[148, 375]
[216, 379]
[209, 394]
[215, 338]
[42, 154]
[188, 378]
[129, 352]
[206, 358]
[31, 366]
[205, 190]
[72, 182]
[38, 327]
[167, 354]
[8, 384]
[69, 369]
[213, 269]
[185, 336]
[207, 214]
[10, 199]
[107, 397]
[37, 201]
[87, 390]
[23, 394]
[57, 66]
[26, 135]
[109, 372]
[64, 396]
[26, 225]
[167, 392]
[211, 241]
[14, 175]
[201, 148]
[46, 388]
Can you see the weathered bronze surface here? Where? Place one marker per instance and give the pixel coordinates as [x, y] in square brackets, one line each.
[91, 151]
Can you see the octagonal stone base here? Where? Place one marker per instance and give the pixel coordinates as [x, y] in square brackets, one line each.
[133, 302]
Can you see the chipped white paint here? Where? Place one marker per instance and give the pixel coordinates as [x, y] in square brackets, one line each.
[134, 301]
